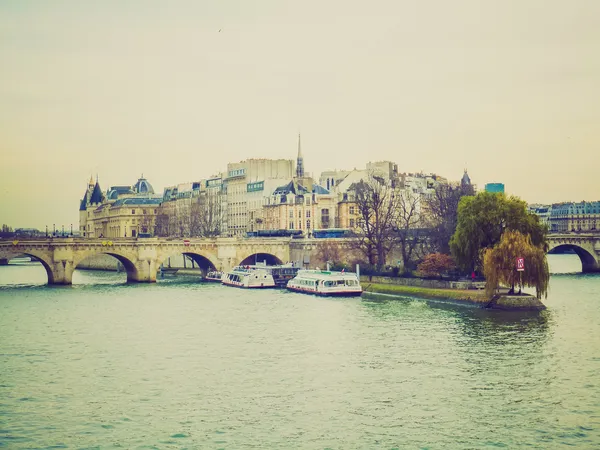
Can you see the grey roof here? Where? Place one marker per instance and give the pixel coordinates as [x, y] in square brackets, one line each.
[291, 188]
[143, 187]
[319, 189]
[465, 179]
[83, 204]
[152, 201]
[97, 195]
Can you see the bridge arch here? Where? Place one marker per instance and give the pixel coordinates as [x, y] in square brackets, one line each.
[271, 260]
[127, 261]
[35, 256]
[589, 262]
[204, 260]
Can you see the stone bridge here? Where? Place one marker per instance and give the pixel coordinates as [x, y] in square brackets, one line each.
[142, 258]
[587, 247]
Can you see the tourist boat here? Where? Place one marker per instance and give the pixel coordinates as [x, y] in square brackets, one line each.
[281, 274]
[326, 283]
[214, 276]
[248, 277]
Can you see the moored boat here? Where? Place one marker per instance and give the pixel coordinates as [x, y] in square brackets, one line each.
[248, 277]
[326, 283]
[214, 276]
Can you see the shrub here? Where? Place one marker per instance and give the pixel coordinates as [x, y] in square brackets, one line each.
[436, 264]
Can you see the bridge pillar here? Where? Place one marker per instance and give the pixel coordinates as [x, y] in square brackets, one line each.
[60, 273]
[3, 261]
[590, 267]
[145, 271]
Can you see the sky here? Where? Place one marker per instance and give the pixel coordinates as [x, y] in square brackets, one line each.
[508, 89]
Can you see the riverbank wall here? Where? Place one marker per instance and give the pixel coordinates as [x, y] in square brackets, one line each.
[466, 297]
[424, 283]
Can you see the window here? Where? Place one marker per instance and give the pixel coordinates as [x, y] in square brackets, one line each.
[291, 225]
[133, 211]
[291, 214]
[299, 214]
[143, 211]
[307, 213]
[351, 223]
[352, 210]
[308, 224]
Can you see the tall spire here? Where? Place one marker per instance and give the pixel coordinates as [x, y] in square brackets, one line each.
[91, 182]
[299, 161]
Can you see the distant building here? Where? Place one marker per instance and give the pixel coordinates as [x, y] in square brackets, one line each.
[543, 212]
[496, 188]
[247, 185]
[575, 217]
[124, 211]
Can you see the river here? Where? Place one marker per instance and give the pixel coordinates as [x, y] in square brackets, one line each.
[179, 364]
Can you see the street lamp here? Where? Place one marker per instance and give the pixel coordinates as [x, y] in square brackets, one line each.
[63, 231]
[46, 230]
[71, 230]
[53, 229]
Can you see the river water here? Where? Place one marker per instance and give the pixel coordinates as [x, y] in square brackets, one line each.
[180, 364]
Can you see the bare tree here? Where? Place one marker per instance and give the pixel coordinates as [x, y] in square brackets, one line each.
[328, 252]
[376, 203]
[206, 215]
[161, 226]
[408, 224]
[442, 214]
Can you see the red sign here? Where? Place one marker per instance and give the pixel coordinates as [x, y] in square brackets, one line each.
[186, 242]
[520, 264]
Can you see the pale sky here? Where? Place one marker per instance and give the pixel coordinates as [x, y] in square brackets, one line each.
[509, 89]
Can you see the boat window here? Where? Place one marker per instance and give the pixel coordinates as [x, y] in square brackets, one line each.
[340, 282]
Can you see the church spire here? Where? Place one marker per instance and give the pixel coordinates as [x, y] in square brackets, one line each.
[299, 161]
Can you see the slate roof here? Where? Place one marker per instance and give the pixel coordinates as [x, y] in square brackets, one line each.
[465, 179]
[317, 189]
[143, 187]
[83, 204]
[152, 201]
[97, 195]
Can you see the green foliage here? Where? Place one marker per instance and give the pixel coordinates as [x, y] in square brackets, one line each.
[436, 264]
[499, 264]
[482, 219]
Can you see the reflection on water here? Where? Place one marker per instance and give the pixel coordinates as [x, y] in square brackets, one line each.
[186, 364]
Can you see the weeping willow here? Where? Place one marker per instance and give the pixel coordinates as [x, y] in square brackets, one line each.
[499, 264]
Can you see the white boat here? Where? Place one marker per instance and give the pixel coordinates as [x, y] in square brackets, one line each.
[248, 277]
[327, 283]
[214, 276]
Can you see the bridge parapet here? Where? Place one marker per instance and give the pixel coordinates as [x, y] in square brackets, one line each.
[141, 257]
[586, 246]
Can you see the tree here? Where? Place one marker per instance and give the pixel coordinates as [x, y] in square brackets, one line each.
[161, 226]
[328, 252]
[499, 264]
[436, 264]
[376, 206]
[206, 215]
[442, 213]
[407, 223]
[481, 221]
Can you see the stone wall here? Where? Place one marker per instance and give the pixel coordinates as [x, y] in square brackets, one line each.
[100, 262]
[107, 262]
[420, 282]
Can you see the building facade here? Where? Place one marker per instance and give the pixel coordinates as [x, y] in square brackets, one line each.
[124, 211]
[575, 217]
